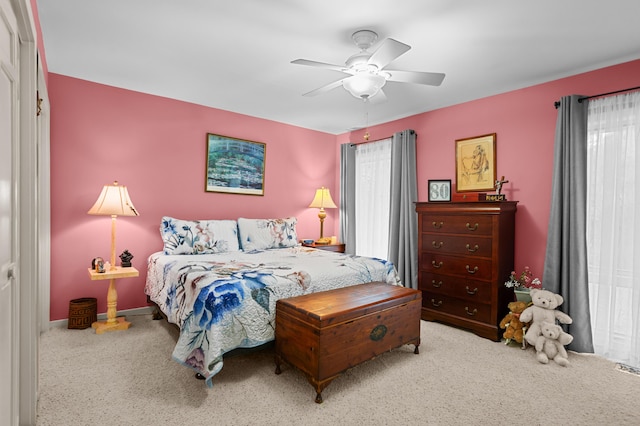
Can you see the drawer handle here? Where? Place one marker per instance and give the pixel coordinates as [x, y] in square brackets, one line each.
[475, 227]
[472, 250]
[436, 284]
[437, 225]
[437, 245]
[475, 269]
[436, 304]
[470, 313]
[439, 264]
[474, 291]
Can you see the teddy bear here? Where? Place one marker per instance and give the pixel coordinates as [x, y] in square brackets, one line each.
[548, 347]
[543, 308]
[514, 328]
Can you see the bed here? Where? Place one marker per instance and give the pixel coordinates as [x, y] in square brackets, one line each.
[219, 280]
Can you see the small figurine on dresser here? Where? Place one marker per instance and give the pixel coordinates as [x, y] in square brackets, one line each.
[125, 259]
[499, 184]
[497, 196]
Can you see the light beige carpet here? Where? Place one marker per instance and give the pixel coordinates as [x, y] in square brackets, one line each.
[128, 378]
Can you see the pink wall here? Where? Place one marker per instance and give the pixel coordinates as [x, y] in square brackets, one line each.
[524, 121]
[156, 147]
[39, 41]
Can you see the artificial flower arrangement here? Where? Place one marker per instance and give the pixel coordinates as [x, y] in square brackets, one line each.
[523, 282]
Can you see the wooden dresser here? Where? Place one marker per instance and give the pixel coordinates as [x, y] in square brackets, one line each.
[465, 253]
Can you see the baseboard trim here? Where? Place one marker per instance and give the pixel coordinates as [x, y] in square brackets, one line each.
[147, 310]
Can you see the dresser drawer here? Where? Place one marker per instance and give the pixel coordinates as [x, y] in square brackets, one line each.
[464, 267]
[477, 291]
[458, 307]
[464, 245]
[457, 224]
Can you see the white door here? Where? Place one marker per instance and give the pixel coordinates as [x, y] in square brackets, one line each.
[9, 364]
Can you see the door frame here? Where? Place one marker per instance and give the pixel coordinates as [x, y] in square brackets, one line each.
[44, 203]
[28, 215]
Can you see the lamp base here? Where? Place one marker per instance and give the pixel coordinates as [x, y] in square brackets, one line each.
[120, 323]
[324, 240]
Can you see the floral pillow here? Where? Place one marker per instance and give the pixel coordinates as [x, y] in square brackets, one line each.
[198, 236]
[261, 234]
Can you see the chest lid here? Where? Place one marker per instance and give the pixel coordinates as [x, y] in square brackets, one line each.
[344, 304]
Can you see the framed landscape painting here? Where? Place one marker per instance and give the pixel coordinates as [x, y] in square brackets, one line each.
[234, 165]
[476, 163]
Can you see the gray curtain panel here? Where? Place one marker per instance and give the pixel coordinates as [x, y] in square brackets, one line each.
[403, 219]
[347, 198]
[565, 266]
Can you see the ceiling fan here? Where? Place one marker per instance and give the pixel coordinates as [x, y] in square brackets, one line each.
[367, 72]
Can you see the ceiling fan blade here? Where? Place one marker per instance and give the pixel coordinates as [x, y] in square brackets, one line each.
[389, 50]
[324, 89]
[319, 65]
[417, 77]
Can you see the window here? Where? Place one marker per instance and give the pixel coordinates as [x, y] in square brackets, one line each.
[373, 183]
[613, 229]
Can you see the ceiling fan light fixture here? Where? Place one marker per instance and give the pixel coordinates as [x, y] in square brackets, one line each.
[367, 69]
[364, 85]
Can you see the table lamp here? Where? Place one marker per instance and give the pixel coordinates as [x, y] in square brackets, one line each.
[321, 201]
[114, 201]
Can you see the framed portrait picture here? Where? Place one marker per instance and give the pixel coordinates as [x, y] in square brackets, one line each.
[476, 163]
[234, 165]
[439, 190]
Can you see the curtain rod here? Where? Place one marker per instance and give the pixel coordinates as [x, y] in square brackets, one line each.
[557, 103]
[352, 144]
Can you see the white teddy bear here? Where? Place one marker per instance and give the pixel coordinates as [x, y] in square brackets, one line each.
[548, 347]
[544, 310]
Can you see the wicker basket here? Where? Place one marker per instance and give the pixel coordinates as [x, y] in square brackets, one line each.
[82, 313]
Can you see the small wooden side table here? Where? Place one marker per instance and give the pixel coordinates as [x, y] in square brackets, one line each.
[337, 247]
[112, 323]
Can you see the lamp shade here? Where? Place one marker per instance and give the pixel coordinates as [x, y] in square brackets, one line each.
[323, 199]
[114, 201]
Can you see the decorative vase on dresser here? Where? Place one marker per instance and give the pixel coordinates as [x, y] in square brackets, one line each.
[465, 252]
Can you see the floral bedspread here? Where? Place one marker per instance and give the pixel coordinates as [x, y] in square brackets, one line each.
[227, 300]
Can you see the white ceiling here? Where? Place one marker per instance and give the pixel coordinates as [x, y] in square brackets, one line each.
[235, 54]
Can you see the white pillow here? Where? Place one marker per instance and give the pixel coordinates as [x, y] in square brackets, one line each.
[262, 234]
[198, 236]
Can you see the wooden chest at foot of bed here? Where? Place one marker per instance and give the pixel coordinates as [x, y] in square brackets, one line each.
[323, 334]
